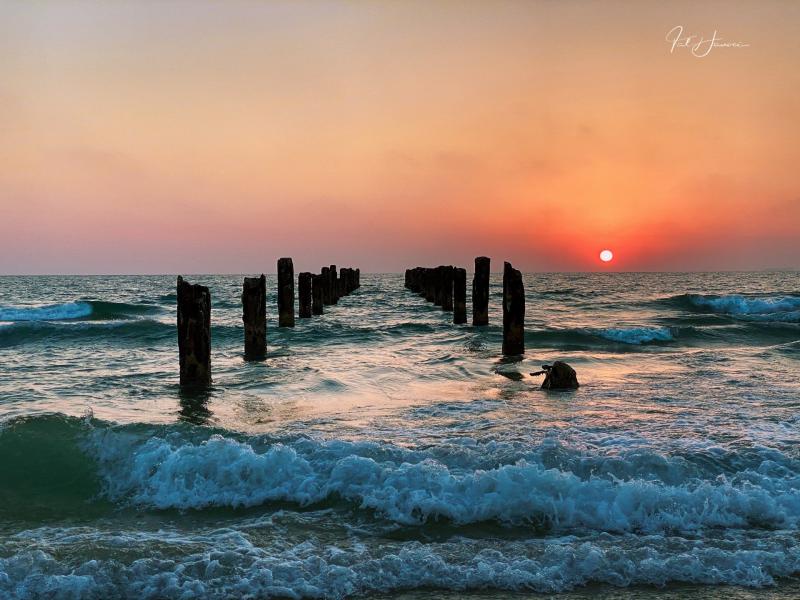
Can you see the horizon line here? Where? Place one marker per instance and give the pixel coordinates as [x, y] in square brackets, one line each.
[241, 274]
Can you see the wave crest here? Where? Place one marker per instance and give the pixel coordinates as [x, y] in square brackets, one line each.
[180, 467]
[638, 335]
[53, 312]
[413, 489]
[775, 307]
[94, 310]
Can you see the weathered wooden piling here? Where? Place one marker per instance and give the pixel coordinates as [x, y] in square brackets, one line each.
[438, 286]
[418, 280]
[334, 284]
[358, 278]
[447, 288]
[430, 285]
[325, 274]
[480, 292]
[304, 295]
[254, 316]
[317, 294]
[351, 281]
[459, 296]
[513, 311]
[285, 292]
[194, 334]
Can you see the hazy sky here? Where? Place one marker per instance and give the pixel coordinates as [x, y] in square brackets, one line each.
[158, 137]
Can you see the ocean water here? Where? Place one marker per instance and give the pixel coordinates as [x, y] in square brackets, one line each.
[382, 452]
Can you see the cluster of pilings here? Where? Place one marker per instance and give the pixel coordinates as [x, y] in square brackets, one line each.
[325, 288]
[194, 313]
[314, 290]
[446, 286]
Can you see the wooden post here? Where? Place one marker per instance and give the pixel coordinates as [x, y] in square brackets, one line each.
[430, 285]
[513, 311]
[317, 294]
[480, 292]
[358, 278]
[254, 315]
[334, 285]
[304, 295]
[438, 285]
[285, 292]
[459, 296]
[194, 333]
[447, 288]
[326, 285]
[419, 281]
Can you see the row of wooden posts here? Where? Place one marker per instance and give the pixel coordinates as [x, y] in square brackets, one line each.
[194, 312]
[446, 286]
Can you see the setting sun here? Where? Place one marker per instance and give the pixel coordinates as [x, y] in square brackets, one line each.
[606, 255]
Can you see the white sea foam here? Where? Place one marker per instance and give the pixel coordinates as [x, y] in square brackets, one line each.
[638, 335]
[170, 473]
[228, 564]
[741, 305]
[53, 312]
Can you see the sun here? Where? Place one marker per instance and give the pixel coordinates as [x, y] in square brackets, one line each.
[606, 255]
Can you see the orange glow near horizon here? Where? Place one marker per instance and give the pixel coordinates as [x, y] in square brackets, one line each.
[216, 137]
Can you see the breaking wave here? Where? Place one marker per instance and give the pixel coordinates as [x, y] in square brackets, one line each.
[638, 335]
[79, 310]
[175, 467]
[784, 308]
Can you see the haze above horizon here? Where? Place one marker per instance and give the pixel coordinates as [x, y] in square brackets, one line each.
[216, 137]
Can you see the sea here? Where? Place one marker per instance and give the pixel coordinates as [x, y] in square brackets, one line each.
[380, 451]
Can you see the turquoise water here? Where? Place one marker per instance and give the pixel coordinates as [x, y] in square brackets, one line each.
[381, 451]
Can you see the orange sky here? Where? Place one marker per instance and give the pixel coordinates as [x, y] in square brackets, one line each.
[154, 137]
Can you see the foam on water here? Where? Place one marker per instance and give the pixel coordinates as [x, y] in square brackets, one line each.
[53, 312]
[741, 305]
[414, 487]
[227, 564]
[384, 451]
[638, 335]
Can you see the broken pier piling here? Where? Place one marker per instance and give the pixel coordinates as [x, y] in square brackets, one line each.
[304, 295]
[513, 311]
[480, 291]
[285, 292]
[194, 333]
[254, 316]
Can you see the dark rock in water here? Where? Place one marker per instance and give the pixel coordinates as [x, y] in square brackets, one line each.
[559, 376]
